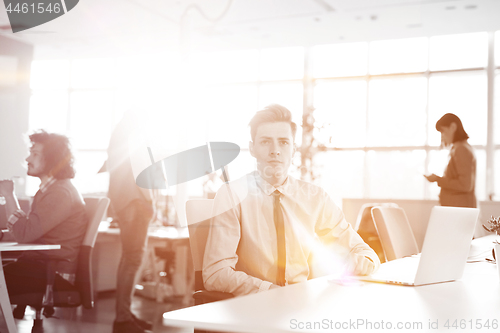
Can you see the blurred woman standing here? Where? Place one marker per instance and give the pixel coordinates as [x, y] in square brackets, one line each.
[458, 183]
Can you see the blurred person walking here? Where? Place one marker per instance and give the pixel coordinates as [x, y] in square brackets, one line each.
[132, 207]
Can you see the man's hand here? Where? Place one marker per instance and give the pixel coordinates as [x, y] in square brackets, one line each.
[432, 178]
[359, 265]
[274, 286]
[14, 218]
[6, 187]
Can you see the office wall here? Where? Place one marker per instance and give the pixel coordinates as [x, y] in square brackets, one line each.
[15, 64]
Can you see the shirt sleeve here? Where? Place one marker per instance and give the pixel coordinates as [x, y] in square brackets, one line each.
[219, 272]
[463, 162]
[333, 229]
[53, 208]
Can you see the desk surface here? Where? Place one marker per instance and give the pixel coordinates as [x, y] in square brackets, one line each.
[14, 246]
[168, 232]
[335, 307]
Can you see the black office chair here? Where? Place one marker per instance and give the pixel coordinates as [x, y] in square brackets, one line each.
[60, 292]
[198, 214]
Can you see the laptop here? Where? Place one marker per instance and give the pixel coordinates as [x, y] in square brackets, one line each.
[444, 252]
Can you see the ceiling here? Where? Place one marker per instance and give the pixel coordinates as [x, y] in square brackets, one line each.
[111, 27]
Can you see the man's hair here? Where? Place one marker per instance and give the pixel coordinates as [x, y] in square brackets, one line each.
[272, 114]
[57, 154]
[446, 121]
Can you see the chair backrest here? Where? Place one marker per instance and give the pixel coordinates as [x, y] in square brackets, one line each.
[394, 232]
[198, 214]
[364, 218]
[95, 208]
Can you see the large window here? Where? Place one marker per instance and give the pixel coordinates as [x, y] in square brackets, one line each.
[384, 101]
[341, 112]
[396, 111]
[462, 93]
[376, 105]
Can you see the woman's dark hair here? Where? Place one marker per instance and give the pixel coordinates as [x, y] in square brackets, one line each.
[57, 154]
[446, 121]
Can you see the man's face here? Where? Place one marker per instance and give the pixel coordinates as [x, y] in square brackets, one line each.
[36, 163]
[273, 148]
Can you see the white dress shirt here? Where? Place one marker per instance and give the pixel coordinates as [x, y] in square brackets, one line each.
[241, 251]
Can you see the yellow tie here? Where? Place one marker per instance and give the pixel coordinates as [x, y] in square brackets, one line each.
[280, 234]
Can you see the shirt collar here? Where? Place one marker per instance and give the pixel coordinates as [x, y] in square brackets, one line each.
[45, 186]
[269, 189]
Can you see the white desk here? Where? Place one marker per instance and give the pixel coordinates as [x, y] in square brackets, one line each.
[4, 295]
[475, 297]
[107, 254]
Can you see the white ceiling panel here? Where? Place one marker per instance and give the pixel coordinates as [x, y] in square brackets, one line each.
[131, 26]
[353, 5]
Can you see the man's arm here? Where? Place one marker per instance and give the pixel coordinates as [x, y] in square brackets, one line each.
[13, 211]
[219, 273]
[7, 191]
[332, 228]
[53, 208]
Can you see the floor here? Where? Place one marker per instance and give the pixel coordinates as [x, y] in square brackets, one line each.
[100, 319]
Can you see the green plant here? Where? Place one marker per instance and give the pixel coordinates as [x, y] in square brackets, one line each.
[493, 225]
[310, 146]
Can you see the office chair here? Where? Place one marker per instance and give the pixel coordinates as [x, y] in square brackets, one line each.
[395, 232]
[198, 213]
[60, 292]
[364, 218]
[365, 227]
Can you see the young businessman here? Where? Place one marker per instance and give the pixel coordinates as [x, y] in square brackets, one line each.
[57, 215]
[269, 237]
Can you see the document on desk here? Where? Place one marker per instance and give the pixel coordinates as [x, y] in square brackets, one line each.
[481, 249]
